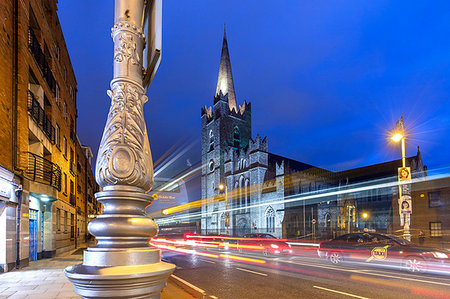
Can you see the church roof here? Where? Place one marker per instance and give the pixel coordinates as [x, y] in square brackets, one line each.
[225, 80]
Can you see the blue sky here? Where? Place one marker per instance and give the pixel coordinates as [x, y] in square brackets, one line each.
[327, 79]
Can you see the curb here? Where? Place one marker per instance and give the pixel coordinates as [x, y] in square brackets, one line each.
[196, 292]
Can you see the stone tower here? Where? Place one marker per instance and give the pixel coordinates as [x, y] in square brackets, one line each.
[225, 127]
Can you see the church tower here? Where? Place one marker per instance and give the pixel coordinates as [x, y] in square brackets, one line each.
[226, 127]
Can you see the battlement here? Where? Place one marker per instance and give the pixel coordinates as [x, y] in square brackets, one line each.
[206, 111]
[258, 144]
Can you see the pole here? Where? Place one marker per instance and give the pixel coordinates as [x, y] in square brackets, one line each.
[407, 217]
[227, 215]
[403, 153]
[122, 264]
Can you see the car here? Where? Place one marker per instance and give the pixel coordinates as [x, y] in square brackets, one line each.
[384, 250]
[265, 243]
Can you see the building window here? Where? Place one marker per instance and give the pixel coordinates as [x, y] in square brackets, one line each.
[247, 191]
[65, 183]
[57, 95]
[270, 220]
[65, 147]
[435, 229]
[211, 165]
[236, 138]
[57, 50]
[434, 199]
[65, 221]
[58, 219]
[57, 136]
[211, 140]
[65, 110]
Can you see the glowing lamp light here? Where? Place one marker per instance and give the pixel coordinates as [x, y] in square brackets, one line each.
[365, 215]
[165, 212]
[221, 187]
[397, 137]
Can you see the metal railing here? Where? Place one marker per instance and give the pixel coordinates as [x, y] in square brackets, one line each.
[43, 171]
[73, 199]
[40, 117]
[39, 56]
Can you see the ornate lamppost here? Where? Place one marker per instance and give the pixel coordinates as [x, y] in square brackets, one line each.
[123, 264]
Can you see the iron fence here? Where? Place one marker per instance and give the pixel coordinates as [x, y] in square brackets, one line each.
[40, 117]
[39, 56]
[43, 171]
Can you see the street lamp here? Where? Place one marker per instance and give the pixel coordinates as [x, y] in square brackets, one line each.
[365, 216]
[227, 215]
[405, 219]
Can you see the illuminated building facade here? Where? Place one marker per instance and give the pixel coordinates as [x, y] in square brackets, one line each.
[42, 203]
[230, 156]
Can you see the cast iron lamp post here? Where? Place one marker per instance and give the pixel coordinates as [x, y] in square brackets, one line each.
[123, 264]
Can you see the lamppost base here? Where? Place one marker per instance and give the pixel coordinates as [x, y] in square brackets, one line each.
[136, 281]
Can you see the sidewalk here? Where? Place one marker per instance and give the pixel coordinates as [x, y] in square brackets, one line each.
[45, 279]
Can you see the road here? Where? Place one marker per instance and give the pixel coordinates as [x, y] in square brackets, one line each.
[299, 277]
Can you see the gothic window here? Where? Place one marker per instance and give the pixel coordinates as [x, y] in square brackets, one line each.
[236, 138]
[247, 192]
[241, 191]
[236, 187]
[211, 140]
[270, 220]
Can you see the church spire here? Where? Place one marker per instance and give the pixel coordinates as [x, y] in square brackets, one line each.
[225, 79]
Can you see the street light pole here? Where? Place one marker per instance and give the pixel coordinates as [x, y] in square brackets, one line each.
[403, 153]
[122, 264]
[227, 216]
[405, 218]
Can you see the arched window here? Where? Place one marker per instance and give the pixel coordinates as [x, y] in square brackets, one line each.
[236, 187]
[241, 191]
[247, 191]
[211, 140]
[270, 220]
[236, 138]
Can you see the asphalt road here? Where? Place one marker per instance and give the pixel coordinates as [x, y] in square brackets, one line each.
[300, 277]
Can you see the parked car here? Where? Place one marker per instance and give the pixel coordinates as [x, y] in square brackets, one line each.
[385, 250]
[263, 242]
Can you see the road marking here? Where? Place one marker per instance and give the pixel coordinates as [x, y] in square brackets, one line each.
[407, 278]
[339, 292]
[250, 271]
[207, 261]
[365, 271]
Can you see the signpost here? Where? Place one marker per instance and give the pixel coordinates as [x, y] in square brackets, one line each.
[404, 200]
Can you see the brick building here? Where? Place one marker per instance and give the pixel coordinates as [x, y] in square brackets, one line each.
[39, 210]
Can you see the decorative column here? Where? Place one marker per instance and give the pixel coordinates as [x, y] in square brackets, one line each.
[123, 264]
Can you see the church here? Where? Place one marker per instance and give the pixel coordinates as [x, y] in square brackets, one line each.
[233, 159]
[245, 188]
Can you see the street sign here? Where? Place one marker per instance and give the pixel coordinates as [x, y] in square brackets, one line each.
[152, 25]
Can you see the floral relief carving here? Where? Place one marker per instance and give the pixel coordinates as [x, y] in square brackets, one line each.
[125, 50]
[124, 155]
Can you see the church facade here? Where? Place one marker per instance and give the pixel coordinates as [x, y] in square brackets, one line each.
[234, 160]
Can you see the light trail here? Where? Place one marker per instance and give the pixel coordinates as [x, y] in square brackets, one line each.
[303, 198]
[168, 163]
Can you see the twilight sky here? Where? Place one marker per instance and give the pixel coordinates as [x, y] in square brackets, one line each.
[326, 79]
